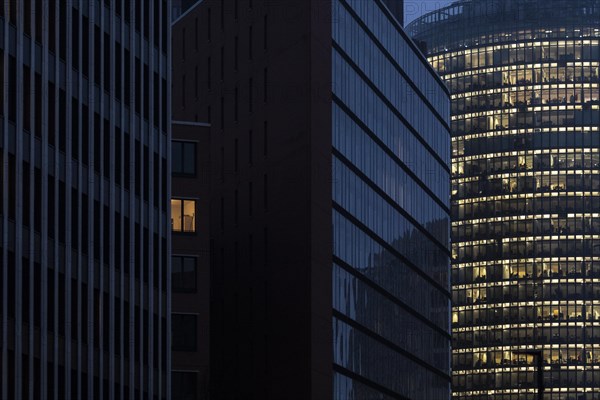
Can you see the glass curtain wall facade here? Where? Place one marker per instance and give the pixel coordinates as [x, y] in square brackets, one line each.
[524, 78]
[84, 191]
[391, 186]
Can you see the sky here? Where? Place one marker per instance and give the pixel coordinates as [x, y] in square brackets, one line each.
[416, 8]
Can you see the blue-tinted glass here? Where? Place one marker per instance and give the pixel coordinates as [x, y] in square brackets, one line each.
[391, 212]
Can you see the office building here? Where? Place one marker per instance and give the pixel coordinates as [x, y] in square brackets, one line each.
[190, 263]
[190, 219]
[525, 193]
[84, 150]
[329, 212]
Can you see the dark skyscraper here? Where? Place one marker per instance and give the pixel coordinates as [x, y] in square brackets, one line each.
[84, 152]
[329, 215]
[524, 78]
[190, 223]
[190, 263]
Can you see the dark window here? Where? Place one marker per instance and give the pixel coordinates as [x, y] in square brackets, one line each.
[265, 142]
[222, 213]
[183, 44]
[12, 92]
[235, 105]
[184, 158]
[222, 14]
[85, 44]
[52, 29]
[208, 25]
[146, 19]
[38, 21]
[235, 155]
[222, 63]
[184, 332]
[62, 15]
[265, 193]
[250, 147]
[157, 23]
[107, 62]
[62, 120]
[196, 83]
[208, 74]
[75, 38]
[265, 33]
[222, 113]
[265, 84]
[222, 164]
[184, 274]
[26, 107]
[196, 34]
[250, 96]
[27, 17]
[250, 208]
[183, 91]
[235, 208]
[184, 385]
[250, 43]
[235, 52]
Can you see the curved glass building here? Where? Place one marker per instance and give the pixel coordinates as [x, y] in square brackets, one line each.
[524, 78]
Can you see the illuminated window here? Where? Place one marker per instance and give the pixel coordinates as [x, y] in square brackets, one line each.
[183, 215]
[455, 318]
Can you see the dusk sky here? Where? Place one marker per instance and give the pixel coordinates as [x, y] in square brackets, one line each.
[416, 8]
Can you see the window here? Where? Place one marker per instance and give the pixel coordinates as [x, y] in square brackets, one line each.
[235, 105]
[265, 139]
[235, 155]
[250, 44]
[222, 113]
[183, 328]
[250, 147]
[208, 25]
[184, 385]
[265, 84]
[183, 215]
[183, 44]
[265, 34]
[183, 89]
[196, 83]
[250, 97]
[208, 75]
[265, 193]
[235, 53]
[222, 63]
[183, 274]
[196, 34]
[184, 158]
[222, 14]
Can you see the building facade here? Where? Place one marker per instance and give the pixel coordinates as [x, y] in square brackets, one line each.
[190, 262]
[524, 79]
[390, 169]
[190, 218]
[329, 213]
[84, 150]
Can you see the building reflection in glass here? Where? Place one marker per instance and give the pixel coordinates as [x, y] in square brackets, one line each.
[391, 214]
[524, 78]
